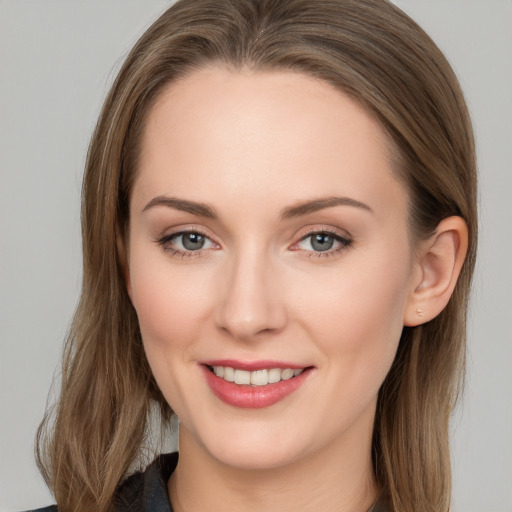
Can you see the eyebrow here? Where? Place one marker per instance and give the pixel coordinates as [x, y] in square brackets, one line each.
[297, 210]
[201, 209]
[315, 205]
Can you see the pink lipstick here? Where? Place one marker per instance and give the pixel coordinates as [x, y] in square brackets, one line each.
[253, 385]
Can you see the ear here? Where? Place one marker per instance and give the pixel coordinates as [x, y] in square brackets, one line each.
[123, 260]
[438, 266]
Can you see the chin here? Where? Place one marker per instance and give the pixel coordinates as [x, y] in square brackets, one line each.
[248, 447]
[254, 457]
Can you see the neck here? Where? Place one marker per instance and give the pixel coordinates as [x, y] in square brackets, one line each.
[338, 478]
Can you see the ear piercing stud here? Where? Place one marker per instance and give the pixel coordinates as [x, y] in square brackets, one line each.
[420, 312]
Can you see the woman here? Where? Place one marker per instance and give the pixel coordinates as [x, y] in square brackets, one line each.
[279, 232]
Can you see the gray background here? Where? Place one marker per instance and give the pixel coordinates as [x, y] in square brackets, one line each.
[57, 58]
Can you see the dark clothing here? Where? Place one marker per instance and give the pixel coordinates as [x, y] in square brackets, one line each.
[144, 491]
[147, 491]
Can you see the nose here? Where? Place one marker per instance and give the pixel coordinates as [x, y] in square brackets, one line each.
[250, 302]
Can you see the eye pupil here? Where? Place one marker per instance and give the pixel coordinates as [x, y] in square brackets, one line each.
[322, 242]
[193, 241]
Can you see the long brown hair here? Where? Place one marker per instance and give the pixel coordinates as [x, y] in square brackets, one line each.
[380, 57]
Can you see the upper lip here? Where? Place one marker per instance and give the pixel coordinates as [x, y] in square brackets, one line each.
[252, 365]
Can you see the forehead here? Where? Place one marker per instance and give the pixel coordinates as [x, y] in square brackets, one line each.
[260, 136]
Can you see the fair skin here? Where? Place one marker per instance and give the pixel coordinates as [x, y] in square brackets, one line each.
[245, 280]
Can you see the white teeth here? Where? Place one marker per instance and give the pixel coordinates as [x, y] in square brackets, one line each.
[287, 374]
[242, 377]
[257, 377]
[229, 374]
[274, 375]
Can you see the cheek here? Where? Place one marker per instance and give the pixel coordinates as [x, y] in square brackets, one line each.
[170, 307]
[356, 315]
[169, 304]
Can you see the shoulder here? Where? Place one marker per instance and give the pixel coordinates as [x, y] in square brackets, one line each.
[144, 491]
[147, 490]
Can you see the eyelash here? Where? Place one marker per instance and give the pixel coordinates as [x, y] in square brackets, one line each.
[344, 242]
[166, 243]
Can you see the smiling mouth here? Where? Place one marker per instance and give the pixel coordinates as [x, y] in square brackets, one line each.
[256, 384]
[255, 378]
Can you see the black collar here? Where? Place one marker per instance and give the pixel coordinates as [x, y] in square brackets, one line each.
[147, 491]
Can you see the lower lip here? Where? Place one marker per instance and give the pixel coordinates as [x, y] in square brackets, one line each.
[253, 397]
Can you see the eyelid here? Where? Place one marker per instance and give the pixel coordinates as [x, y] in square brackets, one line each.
[337, 232]
[186, 228]
[182, 234]
[342, 236]
[164, 240]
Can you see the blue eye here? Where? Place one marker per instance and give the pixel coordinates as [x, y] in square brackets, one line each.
[323, 241]
[186, 242]
[190, 241]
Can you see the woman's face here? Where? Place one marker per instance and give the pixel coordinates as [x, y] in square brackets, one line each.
[268, 234]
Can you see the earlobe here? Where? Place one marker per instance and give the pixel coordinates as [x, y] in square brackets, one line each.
[439, 264]
[123, 260]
